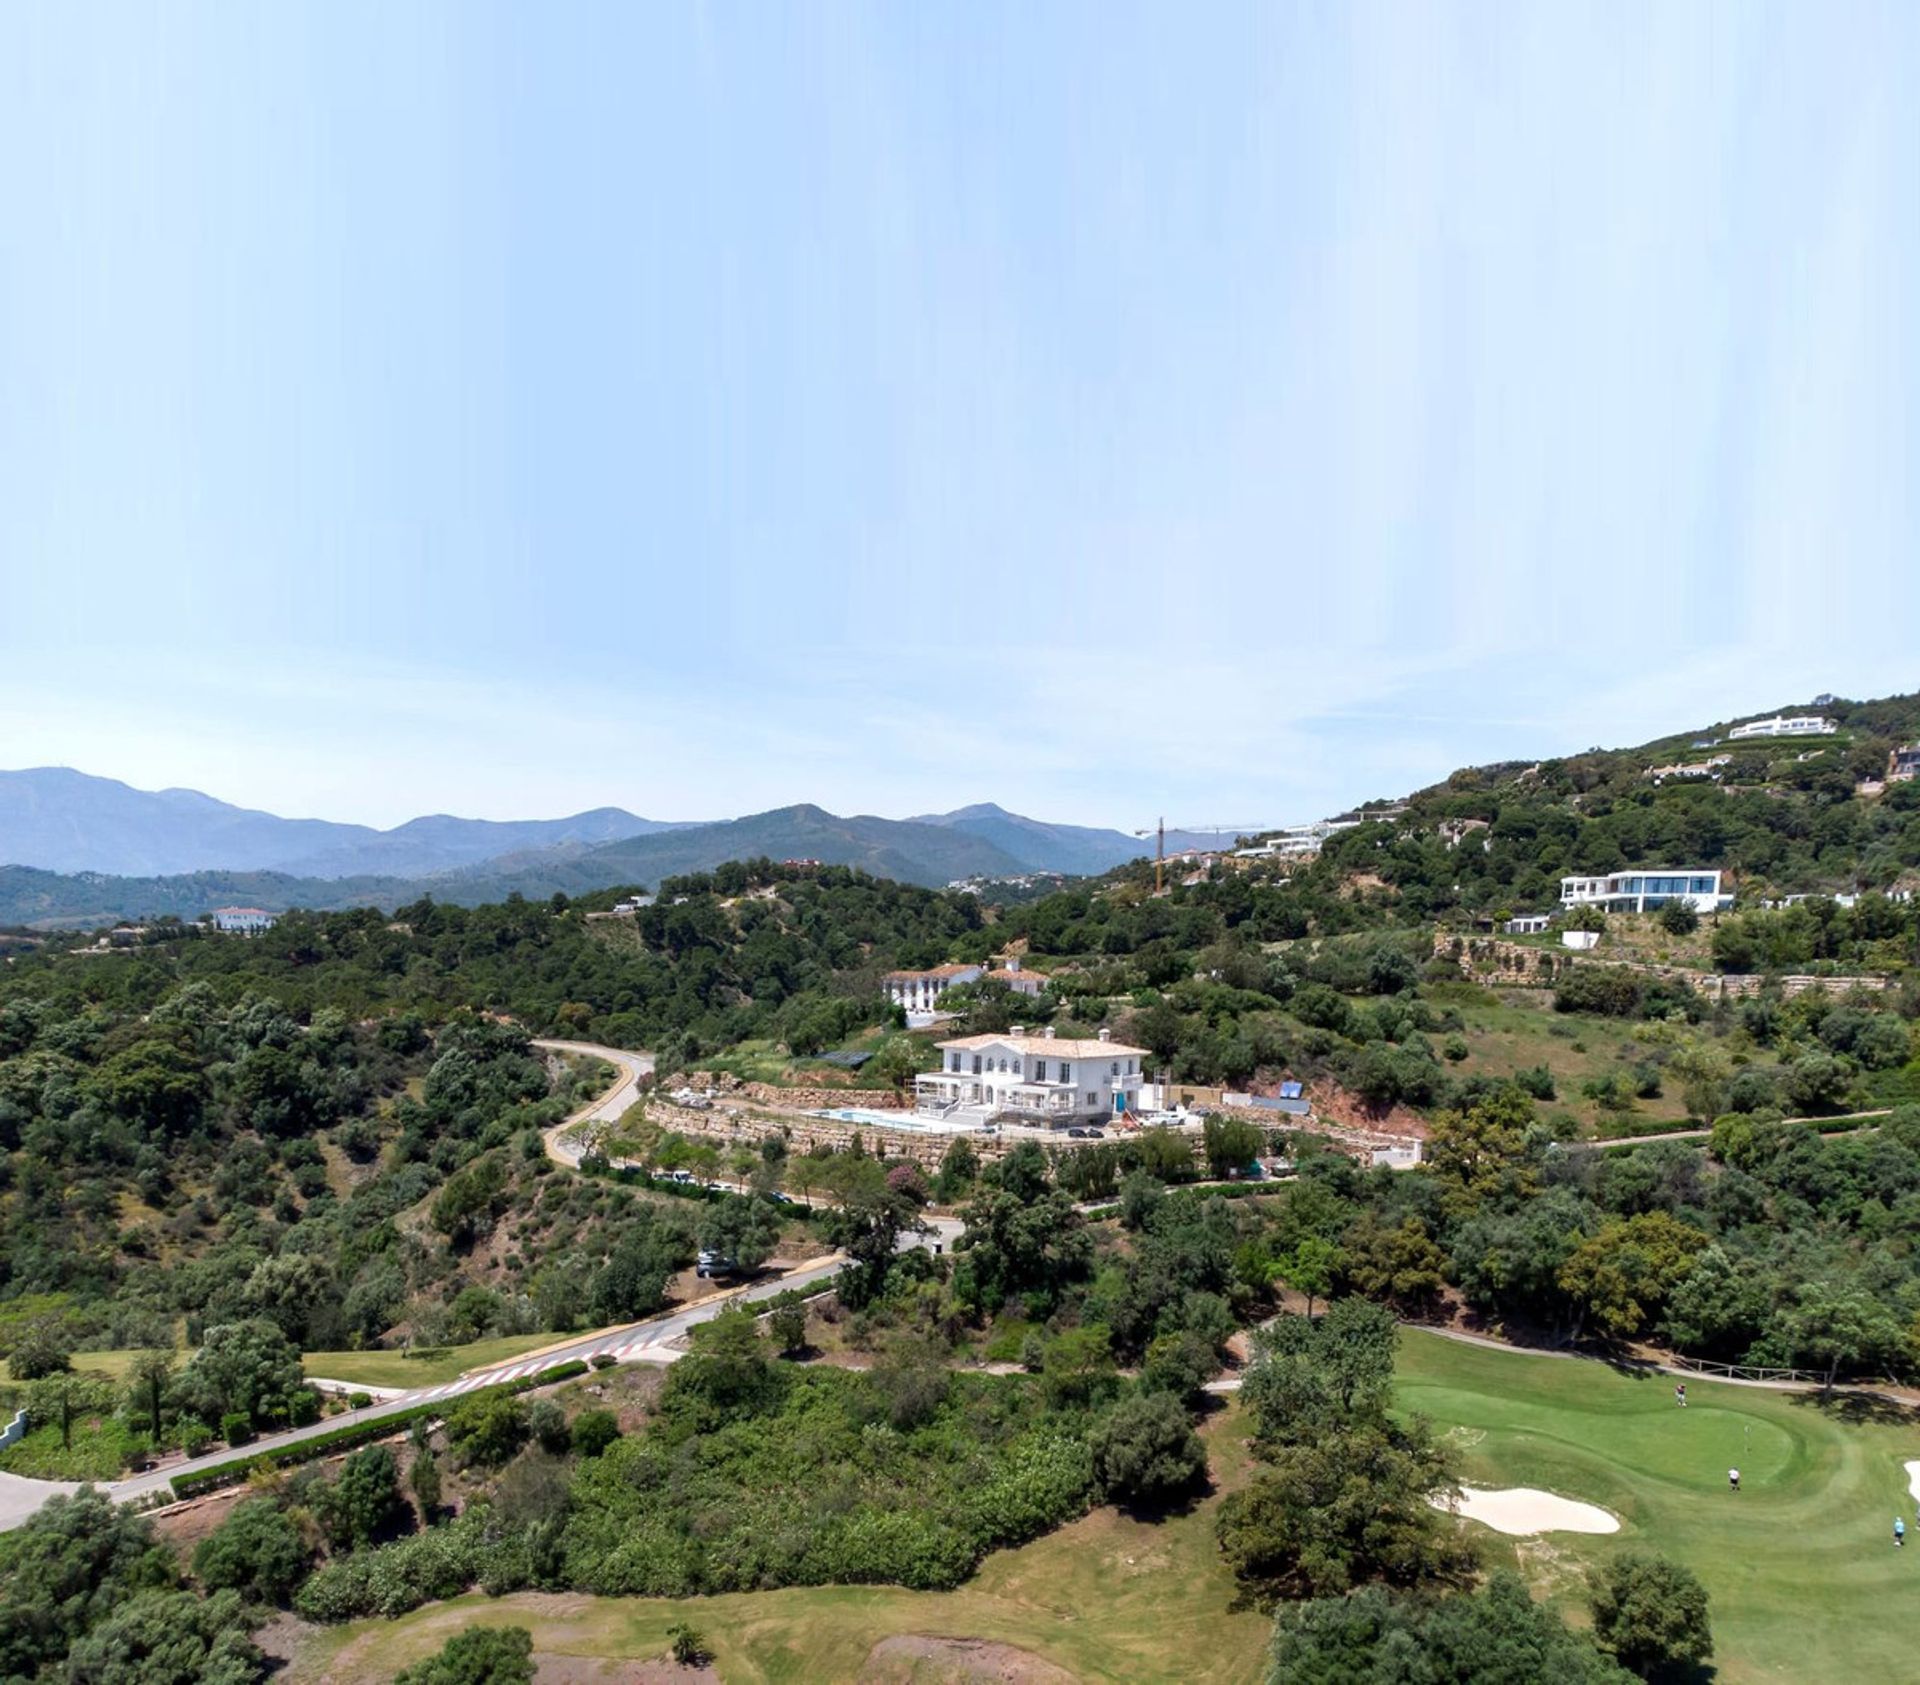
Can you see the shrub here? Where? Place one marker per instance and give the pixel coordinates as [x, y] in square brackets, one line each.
[594, 1431]
[689, 1646]
[257, 1551]
[501, 1655]
[603, 1360]
[236, 1426]
[1145, 1450]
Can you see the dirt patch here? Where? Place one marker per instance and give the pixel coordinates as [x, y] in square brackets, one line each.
[916, 1659]
[550, 1668]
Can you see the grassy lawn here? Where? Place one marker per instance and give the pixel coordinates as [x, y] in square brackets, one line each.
[1800, 1564]
[1105, 1597]
[397, 1369]
[113, 1364]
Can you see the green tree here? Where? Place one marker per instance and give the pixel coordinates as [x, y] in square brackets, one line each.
[548, 1424]
[1340, 1509]
[1465, 1638]
[788, 1326]
[486, 1429]
[1622, 1276]
[1145, 1450]
[1140, 1196]
[424, 1478]
[494, 1655]
[1679, 918]
[249, 1368]
[148, 1377]
[594, 1431]
[169, 1638]
[355, 1508]
[1486, 1151]
[741, 1229]
[1835, 1325]
[74, 1561]
[42, 1349]
[1650, 1614]
[1231, 1144]
[257, 1551]
[1311, 1267]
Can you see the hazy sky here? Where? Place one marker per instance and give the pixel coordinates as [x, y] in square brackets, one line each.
[1224, 413]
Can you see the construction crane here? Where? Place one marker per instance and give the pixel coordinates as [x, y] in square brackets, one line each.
[1158, 831]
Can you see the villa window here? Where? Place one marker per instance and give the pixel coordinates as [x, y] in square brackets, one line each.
[1039, 1070]
[1116, 1067]
[1066, 1071]
[976, 1064]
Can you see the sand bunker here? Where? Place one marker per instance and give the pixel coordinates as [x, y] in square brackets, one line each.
[1913, 1479]
[1524, 1509]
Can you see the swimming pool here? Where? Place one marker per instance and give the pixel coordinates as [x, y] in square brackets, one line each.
[872, 1117]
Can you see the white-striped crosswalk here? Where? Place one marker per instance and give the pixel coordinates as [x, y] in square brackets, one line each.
[520, 1371]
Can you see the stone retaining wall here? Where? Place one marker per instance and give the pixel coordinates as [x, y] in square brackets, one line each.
[1489, 960]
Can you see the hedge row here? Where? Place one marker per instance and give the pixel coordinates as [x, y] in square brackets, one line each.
[237, 1469]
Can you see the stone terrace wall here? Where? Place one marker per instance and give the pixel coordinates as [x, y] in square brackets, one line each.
[1487, 959]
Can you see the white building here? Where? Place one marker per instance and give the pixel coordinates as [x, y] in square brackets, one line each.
[1642, 892]
[916, 991]
[1040, 1079]
[1527, 924]
[1785, 725]
[1028, 983]
[242, 921]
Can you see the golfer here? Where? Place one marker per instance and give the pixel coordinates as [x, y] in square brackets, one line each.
[1899, 1532]
[1680, 1395]
[1733, 1480]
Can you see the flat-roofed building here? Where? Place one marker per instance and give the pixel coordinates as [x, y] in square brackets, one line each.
[1644, 891]
[1785, 725]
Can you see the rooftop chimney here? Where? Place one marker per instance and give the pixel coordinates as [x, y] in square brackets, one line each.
[1106, 1035]
[1017, 1030]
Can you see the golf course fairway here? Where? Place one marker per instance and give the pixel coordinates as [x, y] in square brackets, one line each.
[1806, 1584]
[1800, 1564]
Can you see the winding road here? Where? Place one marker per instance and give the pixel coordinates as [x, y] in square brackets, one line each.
[647, 1341]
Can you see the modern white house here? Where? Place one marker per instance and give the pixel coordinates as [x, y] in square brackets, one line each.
[1643, 891]
[242, 921]
[1049, 1081]
[1785, 725]
[916, 991]
[1527, 924]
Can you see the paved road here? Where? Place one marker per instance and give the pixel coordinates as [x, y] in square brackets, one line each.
[647, 1341]
[610, 1107]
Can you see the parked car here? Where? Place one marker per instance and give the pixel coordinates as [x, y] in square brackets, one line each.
[714, 1263]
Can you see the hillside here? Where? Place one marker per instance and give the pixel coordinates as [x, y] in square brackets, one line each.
[899, 849]
[60, 820]
[1784, 816]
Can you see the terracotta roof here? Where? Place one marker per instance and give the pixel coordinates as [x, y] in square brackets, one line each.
[937, 971]
[1059, 1047]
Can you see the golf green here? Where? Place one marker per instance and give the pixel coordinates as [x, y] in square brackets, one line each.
[1805, 1581]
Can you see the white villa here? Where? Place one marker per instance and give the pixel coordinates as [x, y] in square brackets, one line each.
[1028, 983]
[1785, 725]
[1039, 1079]
[244, 921]
[1642, 892]
[916, 991]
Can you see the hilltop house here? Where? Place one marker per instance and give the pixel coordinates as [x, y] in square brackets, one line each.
[1644, 891]
[916, 991]
[242, 921]
[1903, 763]
[1041, 1079]
[1785, 725]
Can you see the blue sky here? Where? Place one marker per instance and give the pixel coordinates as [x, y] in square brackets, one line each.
[1226, 413]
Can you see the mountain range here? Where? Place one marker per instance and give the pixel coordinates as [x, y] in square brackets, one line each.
[86, 850]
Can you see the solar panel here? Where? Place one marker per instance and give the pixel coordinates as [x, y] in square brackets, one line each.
[1290, 1091]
